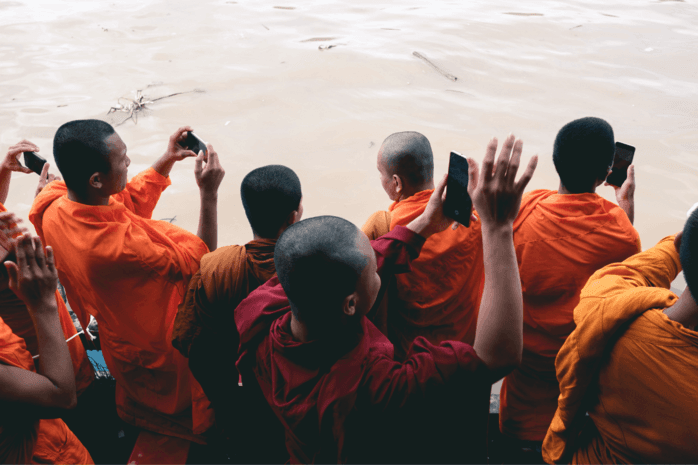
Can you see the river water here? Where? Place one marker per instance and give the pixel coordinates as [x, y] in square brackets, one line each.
[272, 95]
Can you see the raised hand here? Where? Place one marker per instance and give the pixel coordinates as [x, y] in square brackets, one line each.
[34, 277]
[175, 148]
[208, 177]
[45, 178]
[495, 192]
[9, 228]
[11, 161]
[625, 194]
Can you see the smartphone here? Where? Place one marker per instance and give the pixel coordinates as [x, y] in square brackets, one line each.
[458, 204]
[195, 144]
[621, 161]
[34, 162]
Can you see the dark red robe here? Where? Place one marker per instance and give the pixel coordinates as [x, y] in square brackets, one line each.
[346, 399]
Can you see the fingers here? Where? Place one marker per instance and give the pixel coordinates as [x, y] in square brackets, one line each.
[631, 173]
[528, 174]
[514, 162]
[198, 163]
[503, 160]
[488, 162]
[21, 252]
[13, 273]
[473, 175]
[181, 133]
[50, 260]
[39, 253]
[23, 146]
[44, 171]
[187, 154]
[440, 191]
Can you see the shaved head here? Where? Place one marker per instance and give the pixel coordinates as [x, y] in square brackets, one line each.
[408, 154]
[689, 253]
[319, 262]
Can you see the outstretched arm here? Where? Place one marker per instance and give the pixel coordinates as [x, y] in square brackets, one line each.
[44, 394]
[497, 197]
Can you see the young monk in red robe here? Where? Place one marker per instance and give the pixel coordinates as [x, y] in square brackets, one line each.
[632, 363]
[12, 309]
[440, 298]
[128, 270]
[204, 329]
[31, 399]
[561, 237]
[331, 377]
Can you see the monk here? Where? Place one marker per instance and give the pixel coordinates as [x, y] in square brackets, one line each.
[328, 373]
[561, 237]
[12, 309]
[31, 399]
[440, 297]
[128, 270]
[632, 363]
[204, 329]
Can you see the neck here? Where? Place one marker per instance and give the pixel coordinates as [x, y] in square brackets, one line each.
[409, 191]
[299, 330]
[563, 190]
[89, 199]
[684, 311]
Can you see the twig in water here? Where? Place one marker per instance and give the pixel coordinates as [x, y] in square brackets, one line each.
[443, 73]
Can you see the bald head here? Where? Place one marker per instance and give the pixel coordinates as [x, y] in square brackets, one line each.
[319, 262]
[689, 252]
[408, 154]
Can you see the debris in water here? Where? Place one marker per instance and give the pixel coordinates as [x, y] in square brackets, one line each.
[319, 39]
[610, 16]
[444, 73]
[64, 105]
[371, 144]
[265, 26]
[170, 220]
[285, 7]
[327, 47]
[133, 106]
[524, 14]
[575, 27]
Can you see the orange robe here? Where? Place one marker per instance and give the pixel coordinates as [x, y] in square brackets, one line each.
[130, 272]
[40, 441]
[204, 330]
[16, 316]
[440, 298]
[560, 241]
[630, 367]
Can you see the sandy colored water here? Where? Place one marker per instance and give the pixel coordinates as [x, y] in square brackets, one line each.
[271, 96]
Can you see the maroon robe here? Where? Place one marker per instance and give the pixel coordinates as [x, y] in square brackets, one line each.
[346, 399]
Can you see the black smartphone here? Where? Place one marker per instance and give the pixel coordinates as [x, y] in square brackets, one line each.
[34, 162]
[458, 204]
[195, 144]
[621, 161]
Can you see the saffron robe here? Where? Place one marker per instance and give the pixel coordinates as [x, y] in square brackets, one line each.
[346, 399]
[16, 316]
[204, 330]
[632, 368]
[440, 298]
[560, 241]
[130, 272]
[25, 440]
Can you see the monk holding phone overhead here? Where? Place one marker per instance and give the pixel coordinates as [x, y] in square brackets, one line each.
[128, 270]
[440, 298]
[562, 237]
[31, 399]
[331, 376]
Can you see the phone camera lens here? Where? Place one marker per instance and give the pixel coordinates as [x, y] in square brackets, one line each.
[456, 212]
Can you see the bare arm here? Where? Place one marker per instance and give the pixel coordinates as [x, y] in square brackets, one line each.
[625, 194]
[209, 178]
[33, 278]
[11, 163]
[497, 198]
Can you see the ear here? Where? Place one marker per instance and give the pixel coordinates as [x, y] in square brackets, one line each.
[293, 218]
[349, 304]
[96, 181]
[397, 182]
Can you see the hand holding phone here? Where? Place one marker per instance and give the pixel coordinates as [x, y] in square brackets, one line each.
[458, 204]
[195, 144]
[34, 162]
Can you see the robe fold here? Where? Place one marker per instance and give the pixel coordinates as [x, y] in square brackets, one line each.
[204, 330]
[16, 316]
[40, 441]
[630, 367]
[560, 241]
[440, 298]
[345, 399]
[130, 272]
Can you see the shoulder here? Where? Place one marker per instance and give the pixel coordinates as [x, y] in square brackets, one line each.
[377, 225]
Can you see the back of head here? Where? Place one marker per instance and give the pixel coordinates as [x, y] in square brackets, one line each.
[269, 195]
[80, 150]
[583, 152]
[689, 253]
[318, 263]
[408, 154]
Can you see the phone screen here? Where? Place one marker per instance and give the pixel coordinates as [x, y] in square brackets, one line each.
[621, 161]
[34, 162]
[195, 144]
[458, 204]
